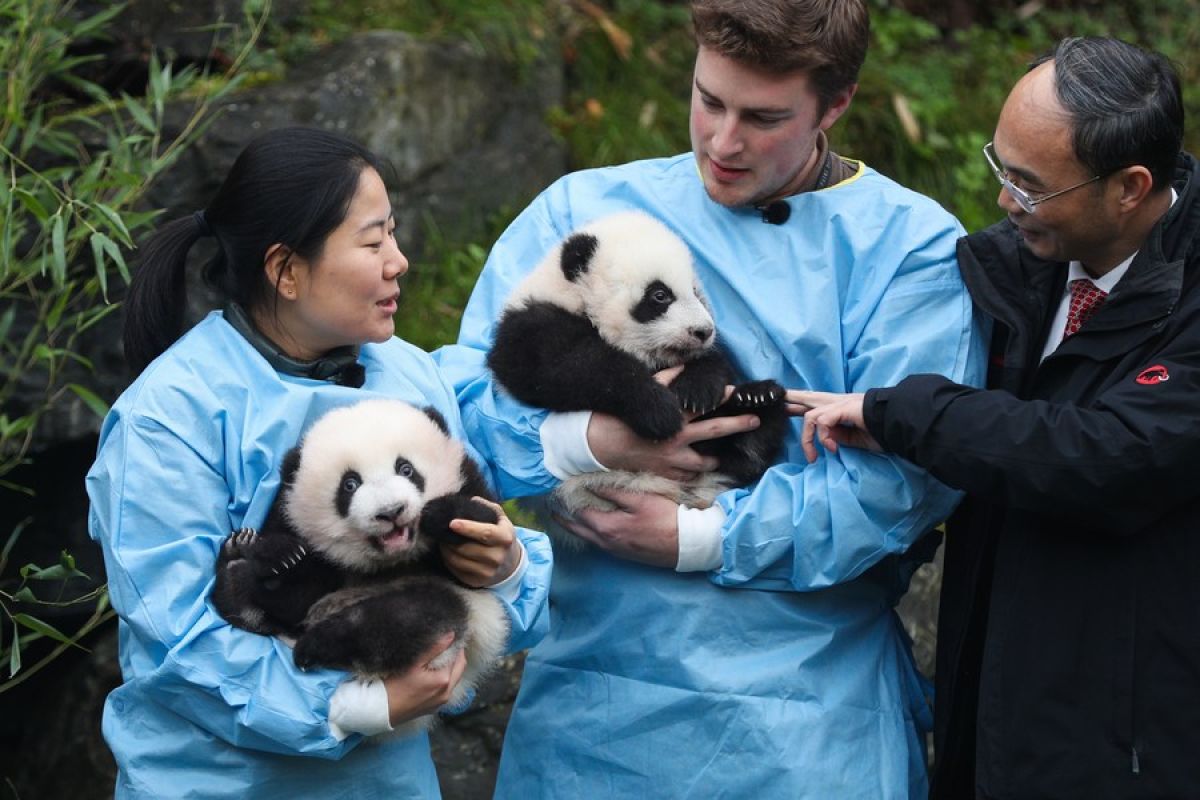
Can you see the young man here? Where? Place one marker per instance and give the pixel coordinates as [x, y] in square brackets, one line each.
[1068, 649]
[749, 649]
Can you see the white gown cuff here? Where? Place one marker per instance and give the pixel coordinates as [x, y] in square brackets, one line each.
[565, 446]
[509, 589]
[700, 538]
[359, 706]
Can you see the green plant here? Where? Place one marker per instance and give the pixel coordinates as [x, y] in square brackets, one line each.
[75, 161]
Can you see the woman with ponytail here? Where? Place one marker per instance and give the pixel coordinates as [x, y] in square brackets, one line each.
[308, 269]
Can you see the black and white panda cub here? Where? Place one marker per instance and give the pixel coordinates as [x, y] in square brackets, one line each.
[615, 302]
[346, 562]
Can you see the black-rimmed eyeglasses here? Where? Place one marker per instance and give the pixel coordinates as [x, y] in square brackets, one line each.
[1026, 201]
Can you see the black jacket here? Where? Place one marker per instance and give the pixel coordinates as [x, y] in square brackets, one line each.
[1068, 661]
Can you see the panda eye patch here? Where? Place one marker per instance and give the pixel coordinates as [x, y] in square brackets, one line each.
[349, 484]
[405, 469]
[656, 299]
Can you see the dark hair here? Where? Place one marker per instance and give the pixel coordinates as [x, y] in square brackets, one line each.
[1125, 105]
[825, 38]
[290, 186]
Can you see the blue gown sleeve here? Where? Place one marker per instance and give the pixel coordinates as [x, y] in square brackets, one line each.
[809, 526]
[159, 510]
[527, 613]
[503, 430]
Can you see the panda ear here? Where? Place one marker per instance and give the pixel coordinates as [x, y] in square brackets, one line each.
[577, 253]
[437, 418]
[291, 463]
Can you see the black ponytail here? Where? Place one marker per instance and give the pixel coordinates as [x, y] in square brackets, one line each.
[157, 298]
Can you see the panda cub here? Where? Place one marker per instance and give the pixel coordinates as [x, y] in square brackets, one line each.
[615, 302]
[346, 563]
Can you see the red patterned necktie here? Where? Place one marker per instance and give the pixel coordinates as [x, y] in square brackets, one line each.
[1086, 299]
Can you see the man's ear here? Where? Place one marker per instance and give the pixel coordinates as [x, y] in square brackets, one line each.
[837, 106]
[1134, 184]
[279, 266]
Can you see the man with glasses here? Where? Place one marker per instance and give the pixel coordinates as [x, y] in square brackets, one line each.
[1068, 660]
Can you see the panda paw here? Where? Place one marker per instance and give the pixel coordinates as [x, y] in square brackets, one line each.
[440, 511]
[656, 416]
[755, 396]
[698, 396]
[290, 559]
[239, 543]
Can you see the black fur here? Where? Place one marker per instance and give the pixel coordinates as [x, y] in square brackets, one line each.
[414, 611]
[549, 357]
[272, 582]
[654, 303]
[577, 254]
[545, 356]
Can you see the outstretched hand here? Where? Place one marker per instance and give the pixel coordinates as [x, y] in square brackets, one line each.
[616, 446]
[834, 420]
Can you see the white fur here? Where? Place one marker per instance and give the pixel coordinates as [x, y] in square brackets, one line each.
[634, 249]
[368, 437]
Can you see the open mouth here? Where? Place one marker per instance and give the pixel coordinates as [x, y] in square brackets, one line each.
[396, 540]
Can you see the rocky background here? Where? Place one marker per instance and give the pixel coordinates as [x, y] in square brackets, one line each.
[467, 137]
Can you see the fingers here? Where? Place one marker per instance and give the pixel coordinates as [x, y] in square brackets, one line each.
[669, 374]
[490, 534]
[717, 427]
[439, 647]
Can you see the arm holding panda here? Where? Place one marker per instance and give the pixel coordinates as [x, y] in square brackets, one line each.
[801, 527]
[159, 548]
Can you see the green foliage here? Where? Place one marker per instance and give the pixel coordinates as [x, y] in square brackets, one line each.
[71, 175]
[628, 82]
[515, 29]
[949, 90]
[435, 292]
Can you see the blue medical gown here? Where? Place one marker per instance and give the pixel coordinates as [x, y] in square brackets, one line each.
[189, 452]
[785, 673]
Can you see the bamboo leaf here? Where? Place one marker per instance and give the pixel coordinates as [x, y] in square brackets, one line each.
[139, 113]
[32, 204]
[14, 655]
[58, 246]
[90, 399]
[118, 224]
[38, 626]
[56, 311]
[98, 257]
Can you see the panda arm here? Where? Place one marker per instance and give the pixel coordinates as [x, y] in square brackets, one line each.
[701, 385]
[548, 357]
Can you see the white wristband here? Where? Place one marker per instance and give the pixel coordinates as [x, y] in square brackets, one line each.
[565, 448]
[700, 538]
[359, 706]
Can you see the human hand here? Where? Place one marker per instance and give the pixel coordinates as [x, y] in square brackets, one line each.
[489, 551]
[616, 446]
[426, 686]
[832, 419]
[643, 527]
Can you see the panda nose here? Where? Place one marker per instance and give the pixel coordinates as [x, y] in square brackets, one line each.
[391, 514]
[702, 334]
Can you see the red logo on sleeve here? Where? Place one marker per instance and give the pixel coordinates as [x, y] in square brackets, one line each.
[1153, 375]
